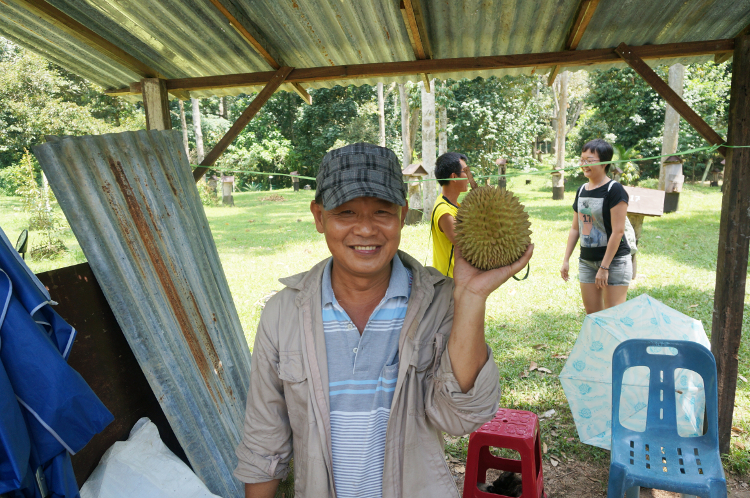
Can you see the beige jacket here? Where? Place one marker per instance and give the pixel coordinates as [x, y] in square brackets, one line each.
[287, 404]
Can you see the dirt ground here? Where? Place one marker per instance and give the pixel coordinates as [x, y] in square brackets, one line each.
[585, 480]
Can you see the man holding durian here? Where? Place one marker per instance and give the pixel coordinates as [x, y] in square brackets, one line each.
[360, 363]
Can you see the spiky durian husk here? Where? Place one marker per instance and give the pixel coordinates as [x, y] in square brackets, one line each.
[492, 228]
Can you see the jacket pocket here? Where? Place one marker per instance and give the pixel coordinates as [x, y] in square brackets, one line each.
[296, 391]
[291, 368]
[423, 355]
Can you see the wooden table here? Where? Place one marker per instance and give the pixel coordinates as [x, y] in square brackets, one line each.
[643, 202]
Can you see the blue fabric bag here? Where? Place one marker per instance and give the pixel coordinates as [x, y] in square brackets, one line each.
[60, 411]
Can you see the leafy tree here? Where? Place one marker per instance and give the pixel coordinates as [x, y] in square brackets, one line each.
[37, 99]
[621, 103]
[347, 114]
[707, 89]
[624, 105]
[492, 118]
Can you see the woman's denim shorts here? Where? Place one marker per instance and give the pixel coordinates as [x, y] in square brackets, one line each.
[620, 271]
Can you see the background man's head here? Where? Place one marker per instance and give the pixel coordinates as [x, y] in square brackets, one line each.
[602, 149]
[360, 206]
[448, 164]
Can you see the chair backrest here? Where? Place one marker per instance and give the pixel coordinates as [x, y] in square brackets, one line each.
[661, 395]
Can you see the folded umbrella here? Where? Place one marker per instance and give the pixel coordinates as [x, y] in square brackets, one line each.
[60, 411]
[587, 375]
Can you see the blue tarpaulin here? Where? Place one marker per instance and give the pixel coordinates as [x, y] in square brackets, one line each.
[47, 411]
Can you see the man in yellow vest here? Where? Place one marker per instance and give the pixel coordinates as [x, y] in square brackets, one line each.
[454, 176]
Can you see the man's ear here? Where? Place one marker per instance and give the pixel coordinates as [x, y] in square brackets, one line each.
[404, 212]
[317, 212]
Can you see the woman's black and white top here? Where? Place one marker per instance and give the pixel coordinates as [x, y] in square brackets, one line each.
[594, 220]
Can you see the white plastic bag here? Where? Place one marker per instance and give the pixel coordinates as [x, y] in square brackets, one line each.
[144, 467]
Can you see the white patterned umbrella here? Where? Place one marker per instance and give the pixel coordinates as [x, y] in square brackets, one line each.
[587, 375]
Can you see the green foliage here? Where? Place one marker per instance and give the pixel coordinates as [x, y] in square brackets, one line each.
[625, 105]
[707, 88]
[11, 179]
[209, 196]
[492, 118]
[630, 171]
[38, 99]
[39, 203]
[621, 103]
[347, 114]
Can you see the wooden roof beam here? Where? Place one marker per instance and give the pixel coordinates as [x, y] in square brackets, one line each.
[719, 58]
[415, 27]
[247, 115]
[584, 13]
[662, 88]
[85, 35]
[408, 68]
[245, 28]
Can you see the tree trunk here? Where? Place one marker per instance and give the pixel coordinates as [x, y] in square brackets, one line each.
[558, 182]
[443, 131]
[414, 115]
[183, 121]
[223, 107]
[381, 114]
[198, 132]
[405, 133]
[671, 121]
[428, 149]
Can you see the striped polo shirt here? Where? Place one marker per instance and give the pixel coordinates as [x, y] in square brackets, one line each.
[362, 372]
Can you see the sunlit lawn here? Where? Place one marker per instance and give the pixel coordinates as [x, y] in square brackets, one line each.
[260, 241]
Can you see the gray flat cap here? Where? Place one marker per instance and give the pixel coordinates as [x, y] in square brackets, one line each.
[360, 170]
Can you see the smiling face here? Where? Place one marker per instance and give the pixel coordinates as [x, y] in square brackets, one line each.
[363, 235]
[595, 172]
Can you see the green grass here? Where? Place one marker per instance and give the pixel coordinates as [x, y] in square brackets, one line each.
[260, 241]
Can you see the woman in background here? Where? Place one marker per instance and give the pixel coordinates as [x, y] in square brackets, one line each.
[601, 205]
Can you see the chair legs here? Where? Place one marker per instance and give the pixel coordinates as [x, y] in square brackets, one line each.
[633, 492]
[717, 489]
[616, 487]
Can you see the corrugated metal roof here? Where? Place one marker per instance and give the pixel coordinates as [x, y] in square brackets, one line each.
[131, 201]
[643, 22]
[189, 38]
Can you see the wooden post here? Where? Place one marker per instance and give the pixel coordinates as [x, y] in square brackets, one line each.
[156, 104]
[558, 181]
[731, 268]
[671, 120]
[429, 188]
[637, 221]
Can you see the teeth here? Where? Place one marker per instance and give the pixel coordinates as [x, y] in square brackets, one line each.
[364, 248]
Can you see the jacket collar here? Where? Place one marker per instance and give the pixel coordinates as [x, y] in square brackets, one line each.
[310, 281]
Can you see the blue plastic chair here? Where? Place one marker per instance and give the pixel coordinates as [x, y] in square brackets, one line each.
[659, 457]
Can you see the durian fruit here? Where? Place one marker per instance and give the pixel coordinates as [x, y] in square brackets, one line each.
[492, 228]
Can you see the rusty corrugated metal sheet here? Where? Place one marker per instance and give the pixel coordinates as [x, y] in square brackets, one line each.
[132, 203]
[187, 38]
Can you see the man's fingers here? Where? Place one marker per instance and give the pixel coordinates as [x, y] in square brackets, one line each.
[522, 261]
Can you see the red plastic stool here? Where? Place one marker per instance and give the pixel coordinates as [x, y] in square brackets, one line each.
[513, 429]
